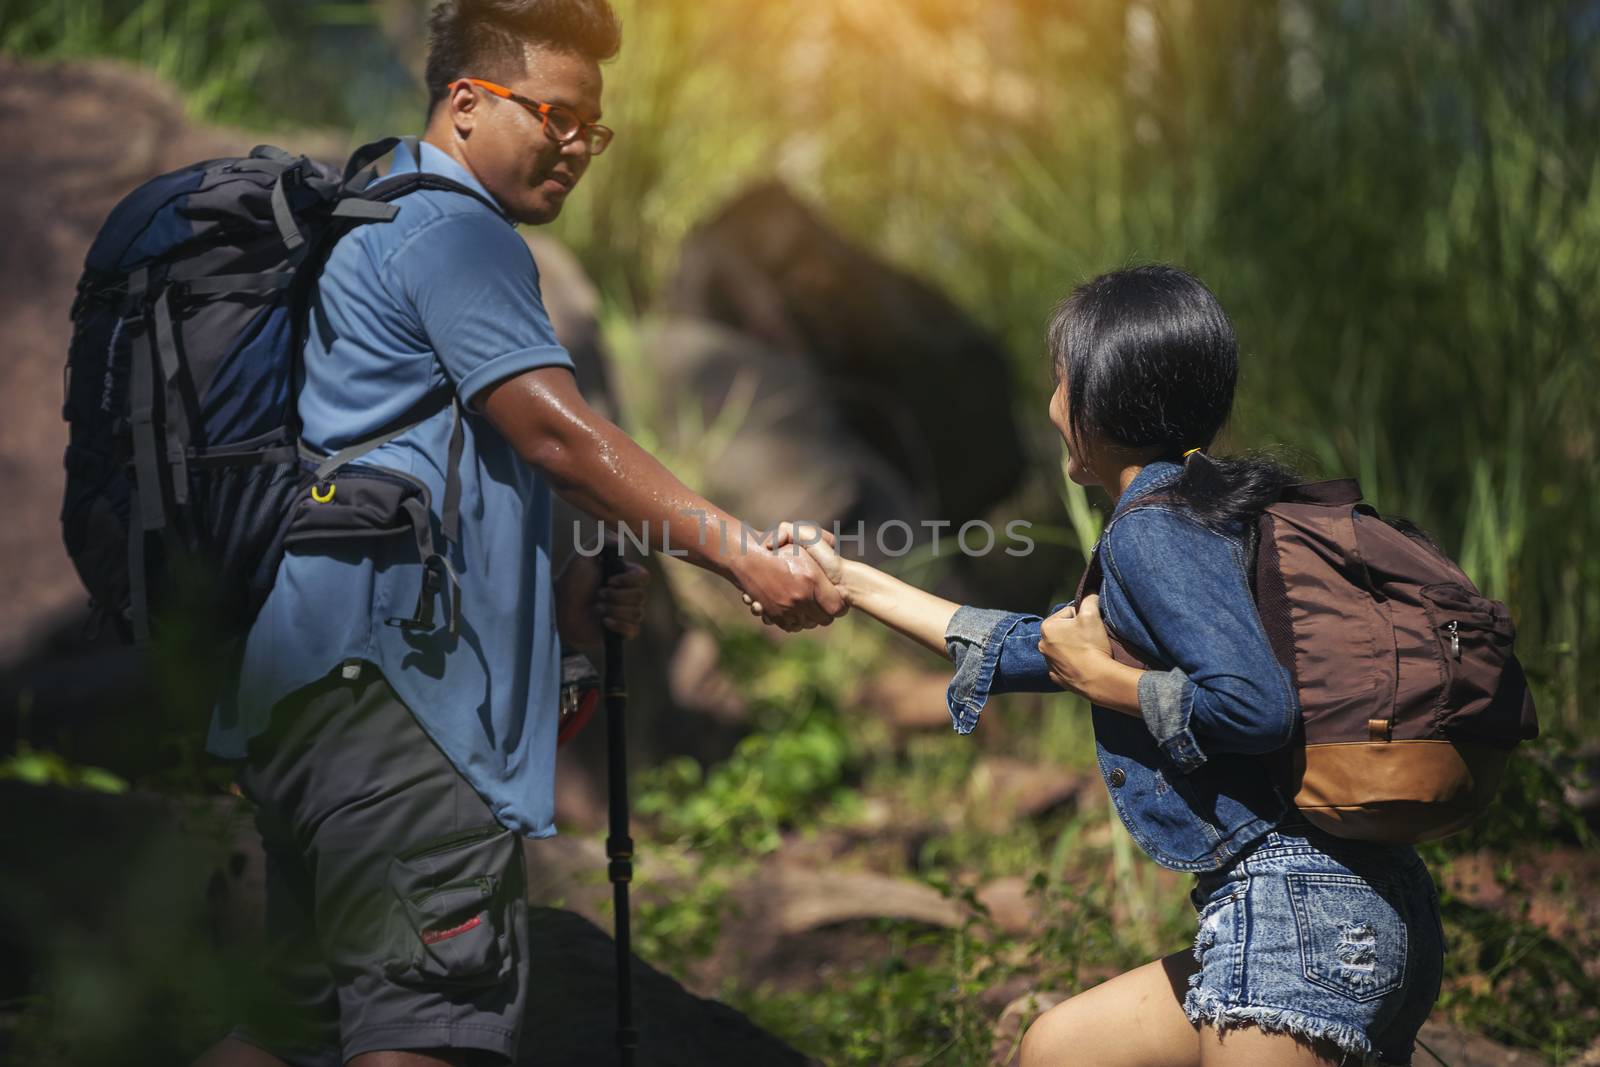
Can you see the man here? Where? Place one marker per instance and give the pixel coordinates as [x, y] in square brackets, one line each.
[396, 770]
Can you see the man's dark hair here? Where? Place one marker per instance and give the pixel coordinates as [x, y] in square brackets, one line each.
[485, 38]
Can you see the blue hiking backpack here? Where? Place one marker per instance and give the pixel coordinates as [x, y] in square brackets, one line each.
[186, 475]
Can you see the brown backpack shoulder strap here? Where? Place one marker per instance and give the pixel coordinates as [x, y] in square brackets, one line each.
[1093, 574]
[1336, 492]
[1089, 581]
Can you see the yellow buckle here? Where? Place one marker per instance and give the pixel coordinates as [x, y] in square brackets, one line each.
[319, 498]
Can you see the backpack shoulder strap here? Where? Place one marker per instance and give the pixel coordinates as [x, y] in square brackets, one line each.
[1093, 573]
[391, 189]
[364, 186]
[1337, 492]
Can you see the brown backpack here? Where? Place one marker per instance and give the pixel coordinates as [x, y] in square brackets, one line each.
[1410, 697]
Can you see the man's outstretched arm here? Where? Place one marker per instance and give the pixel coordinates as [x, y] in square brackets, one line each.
[597, 467]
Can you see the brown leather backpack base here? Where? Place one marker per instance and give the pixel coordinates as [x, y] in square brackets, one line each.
[1399, 792]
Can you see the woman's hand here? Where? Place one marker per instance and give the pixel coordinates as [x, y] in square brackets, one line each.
[1075, 644]
[818, 543]
[586, 606]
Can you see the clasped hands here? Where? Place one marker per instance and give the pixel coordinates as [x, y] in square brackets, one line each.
[1073, 641]
[792, 579]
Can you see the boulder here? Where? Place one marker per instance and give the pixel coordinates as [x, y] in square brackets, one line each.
[760, 430]
[162, 934]
[901, 368]
[571, 1019]
[73, 158]
[793, 926]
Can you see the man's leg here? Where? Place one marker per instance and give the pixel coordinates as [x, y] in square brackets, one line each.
[417, 892]
[293, 1010]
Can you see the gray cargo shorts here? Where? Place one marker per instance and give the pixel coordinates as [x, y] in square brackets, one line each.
[395, 914]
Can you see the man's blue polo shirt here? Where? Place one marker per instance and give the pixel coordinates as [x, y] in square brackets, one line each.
[446, 292]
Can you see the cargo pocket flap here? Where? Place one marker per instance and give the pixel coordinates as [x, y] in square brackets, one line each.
[451, 920]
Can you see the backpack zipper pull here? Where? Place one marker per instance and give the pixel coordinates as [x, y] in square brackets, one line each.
[1455, 638]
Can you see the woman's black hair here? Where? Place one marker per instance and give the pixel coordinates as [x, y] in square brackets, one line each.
[485, 38]
[1150, 362]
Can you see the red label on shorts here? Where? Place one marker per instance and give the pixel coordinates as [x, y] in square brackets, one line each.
[432, 937]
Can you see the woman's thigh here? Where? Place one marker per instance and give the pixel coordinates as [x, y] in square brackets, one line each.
[1133, 1020]
[1249, 1047]
[1137, 1020]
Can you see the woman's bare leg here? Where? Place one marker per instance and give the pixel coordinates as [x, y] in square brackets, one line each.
[1246, 1046]
[1134, 1020]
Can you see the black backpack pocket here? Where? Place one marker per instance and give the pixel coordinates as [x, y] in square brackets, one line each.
[359, 502]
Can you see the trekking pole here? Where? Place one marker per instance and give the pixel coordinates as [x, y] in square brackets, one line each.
[619, 846]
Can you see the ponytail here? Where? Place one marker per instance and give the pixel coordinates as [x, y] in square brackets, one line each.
[1226, 492]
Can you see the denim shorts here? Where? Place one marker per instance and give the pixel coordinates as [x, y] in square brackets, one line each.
[1323, 938]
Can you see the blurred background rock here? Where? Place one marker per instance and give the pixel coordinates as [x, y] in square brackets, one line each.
[812, 274]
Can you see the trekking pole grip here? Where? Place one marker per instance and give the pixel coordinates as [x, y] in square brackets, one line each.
[619, 845]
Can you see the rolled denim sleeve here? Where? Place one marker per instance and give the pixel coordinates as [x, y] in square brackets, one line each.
[1187, 585]
[1166, 701]
[994, 652]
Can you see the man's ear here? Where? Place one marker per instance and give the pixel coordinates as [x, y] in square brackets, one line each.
[462, 103]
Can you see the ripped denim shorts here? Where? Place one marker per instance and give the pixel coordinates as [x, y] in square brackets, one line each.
[1323, 938]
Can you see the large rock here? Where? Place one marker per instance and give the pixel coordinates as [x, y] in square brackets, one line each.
[765, 431]
[81, 136]
[902, 368]
[571, 1017]
[159, 934]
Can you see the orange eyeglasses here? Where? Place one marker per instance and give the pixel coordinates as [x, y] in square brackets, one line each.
[561, 124]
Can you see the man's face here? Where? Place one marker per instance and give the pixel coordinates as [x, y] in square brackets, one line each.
[526, 170]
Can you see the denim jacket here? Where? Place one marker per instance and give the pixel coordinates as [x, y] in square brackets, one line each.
[1189, 781]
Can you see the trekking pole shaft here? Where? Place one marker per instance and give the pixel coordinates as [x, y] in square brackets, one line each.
[619, 845]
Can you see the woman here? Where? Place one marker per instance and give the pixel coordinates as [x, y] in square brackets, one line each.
[1310, 949]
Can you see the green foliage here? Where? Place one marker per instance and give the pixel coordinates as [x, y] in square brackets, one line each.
[265, 62]
[1531, 809]
[49, 768]
[34, 767]
[777, 777]
[771, 782]
[1510, 979]
[892, 1008]
[1506, 975]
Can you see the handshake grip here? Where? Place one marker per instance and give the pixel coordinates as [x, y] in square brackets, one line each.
[796, 576]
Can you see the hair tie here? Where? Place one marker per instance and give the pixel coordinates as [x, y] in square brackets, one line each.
[1189, 453]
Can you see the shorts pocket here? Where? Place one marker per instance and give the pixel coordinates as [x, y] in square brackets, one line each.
[1352, 935]
[449, 923]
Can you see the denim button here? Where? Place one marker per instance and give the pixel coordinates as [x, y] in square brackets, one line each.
[1118, 776]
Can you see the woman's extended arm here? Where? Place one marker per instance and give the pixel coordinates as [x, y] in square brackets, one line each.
[914, 612]
[919, 615]
[994, 651]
